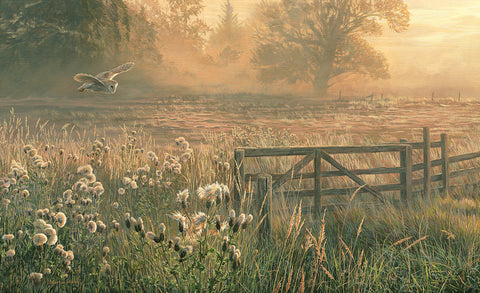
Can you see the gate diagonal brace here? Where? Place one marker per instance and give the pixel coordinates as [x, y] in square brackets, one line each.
[293, 171]
[352, 176]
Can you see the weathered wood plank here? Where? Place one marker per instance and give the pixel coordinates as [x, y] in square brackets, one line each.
[299, 151]
[318, 180]
[465, 157]
[464, 171]
[326, 174]
[427, 171]
[445, 164]
[352, 176]
[264, 199]
[343, 191]
[420, 145]
[294, 170]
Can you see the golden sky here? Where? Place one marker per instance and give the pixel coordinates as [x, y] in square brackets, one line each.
[440, 51]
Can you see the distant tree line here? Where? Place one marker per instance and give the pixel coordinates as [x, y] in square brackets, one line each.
[313, 41]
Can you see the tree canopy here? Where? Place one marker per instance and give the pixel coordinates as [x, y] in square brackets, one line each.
[35, 34]
[317, 40]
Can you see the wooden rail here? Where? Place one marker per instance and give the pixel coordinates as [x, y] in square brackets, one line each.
[267, 184]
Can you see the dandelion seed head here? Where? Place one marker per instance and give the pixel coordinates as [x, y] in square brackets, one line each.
[8, 238]
[36, 278]
[70, 256]
[121, 191]
[39, 239]
[60, 219]
[92, 226]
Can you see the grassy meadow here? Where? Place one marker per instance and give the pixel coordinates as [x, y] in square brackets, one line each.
[98, 199]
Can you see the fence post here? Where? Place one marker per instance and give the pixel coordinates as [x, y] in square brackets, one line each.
[445, 164]
[264, 197]
[427, 172]
[318, 180]
[406, 175]
[238, 178]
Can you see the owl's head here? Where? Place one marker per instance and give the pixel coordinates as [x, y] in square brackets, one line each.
[111, 86]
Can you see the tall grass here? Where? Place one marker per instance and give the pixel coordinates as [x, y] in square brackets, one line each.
[425, 246]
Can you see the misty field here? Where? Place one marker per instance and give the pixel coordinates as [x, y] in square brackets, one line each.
[137, 196]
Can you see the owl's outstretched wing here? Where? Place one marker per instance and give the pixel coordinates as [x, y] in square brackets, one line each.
[83, 77]
[116, 71]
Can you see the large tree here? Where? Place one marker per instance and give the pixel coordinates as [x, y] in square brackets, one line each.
[317, 40]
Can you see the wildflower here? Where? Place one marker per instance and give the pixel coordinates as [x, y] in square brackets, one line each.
[177, 216]
[98, 190]
[182, 197]
[218, 222]
[200, 220]
[92, 226]
[52, 236]
[116, 225]
[47, 271]
[6, 201]
[91, 178]
[70, 256]
[25, 193]
[238, 223]
[121, 191]
[19, 233]
[186, 250]
[10, 253]
[247, 221]
[106, 268]
[79, 218]
[85, 170]
[100, 226]
[226, 166]
[8, 238]
[133, 185]
[151, 236]
[225, 192]
[61, 219]
[67, 194]
[59, 249]
[232, 251]
[39, 239]
[139, 225]
[127, 220]
[36, 278]
[185, 157]
[231, 214]
[106, 250]
[32, 152]
[225, 242]
[236, 259]
[176, 241]
[115, 205]
[126, 181]
[180, 140]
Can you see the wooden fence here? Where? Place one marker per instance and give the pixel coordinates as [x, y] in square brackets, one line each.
[268, 184]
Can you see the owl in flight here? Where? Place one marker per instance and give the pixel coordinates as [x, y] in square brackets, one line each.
[104, 81]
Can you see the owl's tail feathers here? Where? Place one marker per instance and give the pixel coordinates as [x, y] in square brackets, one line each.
[81, 88]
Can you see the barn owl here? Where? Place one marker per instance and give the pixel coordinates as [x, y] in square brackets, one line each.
[104, 81]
